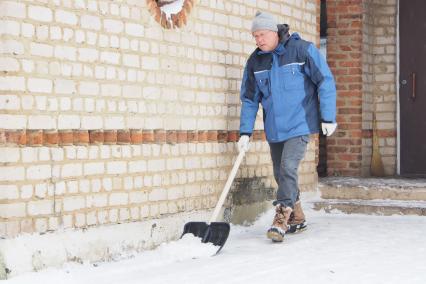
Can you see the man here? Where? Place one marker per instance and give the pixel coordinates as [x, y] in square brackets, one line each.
[292, 81]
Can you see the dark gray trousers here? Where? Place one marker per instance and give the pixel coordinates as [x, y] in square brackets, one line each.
[286, 157]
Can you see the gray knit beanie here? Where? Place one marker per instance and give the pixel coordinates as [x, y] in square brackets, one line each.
[264, 21]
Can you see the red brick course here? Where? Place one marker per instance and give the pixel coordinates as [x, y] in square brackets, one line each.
[96, 137]
[110, 137]
[159, 136]
[147, 136]
[35, 138]
[65, 138]
[136, 136]
[50, 138]
[123, 137]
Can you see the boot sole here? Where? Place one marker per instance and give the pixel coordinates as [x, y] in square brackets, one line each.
[294, 229]
[298, 231]
[275, 236]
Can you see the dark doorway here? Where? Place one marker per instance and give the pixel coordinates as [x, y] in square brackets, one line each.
[322, 154]
[412, 87]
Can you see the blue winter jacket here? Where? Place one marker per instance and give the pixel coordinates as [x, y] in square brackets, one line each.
[291, 83]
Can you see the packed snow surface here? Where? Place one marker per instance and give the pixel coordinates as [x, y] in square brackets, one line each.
[336, 248]
[187, 247]
[400, 183]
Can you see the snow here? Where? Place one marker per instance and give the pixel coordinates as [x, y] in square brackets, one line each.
[336, 248]
[29, 252]
[367, 183]
[189, 247]
[379, 202]
[172, 8]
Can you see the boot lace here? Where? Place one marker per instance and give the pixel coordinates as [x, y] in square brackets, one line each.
[280, 216]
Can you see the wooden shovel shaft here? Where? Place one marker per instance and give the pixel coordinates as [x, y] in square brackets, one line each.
[227, 186]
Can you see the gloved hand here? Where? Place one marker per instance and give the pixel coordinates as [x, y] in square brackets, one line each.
[328, 128]
[244, 143]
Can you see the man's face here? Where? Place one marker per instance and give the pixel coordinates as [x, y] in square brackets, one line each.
[266, 40]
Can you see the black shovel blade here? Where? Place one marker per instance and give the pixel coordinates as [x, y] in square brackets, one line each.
[198, 229]
[216, 233]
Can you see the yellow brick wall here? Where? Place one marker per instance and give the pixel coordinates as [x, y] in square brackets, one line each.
[379, 93]
[86, 66]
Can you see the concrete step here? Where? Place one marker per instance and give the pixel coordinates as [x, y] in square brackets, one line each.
[372, 188]
[372, 207]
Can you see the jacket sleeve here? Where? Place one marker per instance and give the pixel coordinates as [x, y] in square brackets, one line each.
[249, 96]
[317, 69]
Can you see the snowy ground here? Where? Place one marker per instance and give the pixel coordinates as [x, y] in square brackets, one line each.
[366, 183]
[336, 248]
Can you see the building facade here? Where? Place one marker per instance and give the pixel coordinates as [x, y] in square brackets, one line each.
[375, 49]
[113, 112]
[127, 112]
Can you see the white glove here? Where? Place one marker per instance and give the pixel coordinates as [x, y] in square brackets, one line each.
[244, 143]
[328, 128]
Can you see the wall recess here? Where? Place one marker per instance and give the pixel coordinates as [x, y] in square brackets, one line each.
[170, 14]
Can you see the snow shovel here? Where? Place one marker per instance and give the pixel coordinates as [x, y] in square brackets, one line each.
[215, 232]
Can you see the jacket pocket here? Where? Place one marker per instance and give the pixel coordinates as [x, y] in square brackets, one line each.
[263, 82]
[293, 77]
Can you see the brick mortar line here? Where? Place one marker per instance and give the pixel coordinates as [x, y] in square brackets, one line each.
[108, 193]
[52, 138]
[93, 177]
[101, 97]
[53, 59]
[129, 206]
[73, 43]
[133, 158]
[382, 133]
[114, 17]
[110, 207]
[102, 30]
[105, 162]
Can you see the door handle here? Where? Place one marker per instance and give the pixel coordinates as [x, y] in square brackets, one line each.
[413, 82]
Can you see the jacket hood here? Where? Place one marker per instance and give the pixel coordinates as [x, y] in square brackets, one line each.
[283, 32]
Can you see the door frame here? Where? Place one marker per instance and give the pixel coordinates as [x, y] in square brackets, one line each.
[398, 110]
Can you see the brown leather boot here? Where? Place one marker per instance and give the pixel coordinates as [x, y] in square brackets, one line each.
[280, 224]
[297, 221]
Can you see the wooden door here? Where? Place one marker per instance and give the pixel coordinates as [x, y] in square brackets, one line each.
[412, 90]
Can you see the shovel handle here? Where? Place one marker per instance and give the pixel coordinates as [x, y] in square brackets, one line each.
[227, 186]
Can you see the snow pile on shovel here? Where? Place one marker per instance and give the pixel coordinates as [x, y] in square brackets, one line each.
[187, 247]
